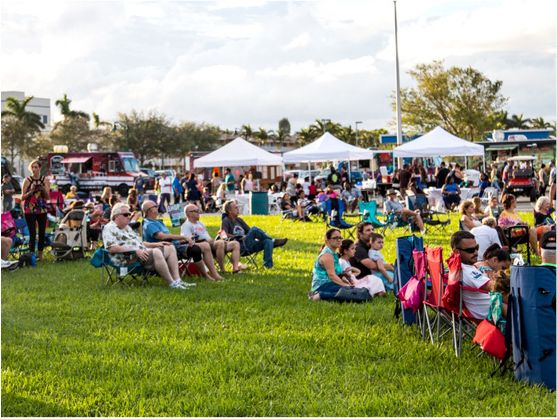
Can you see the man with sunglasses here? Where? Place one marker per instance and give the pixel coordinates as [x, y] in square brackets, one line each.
[119, 240]
[155, 231]
[195, 229]
[464, 243]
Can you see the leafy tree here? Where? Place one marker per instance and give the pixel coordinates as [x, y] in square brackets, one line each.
[462, 100]
[284, 126]
[73, 132]
[519, 122]
[262, 135]
[18, 126]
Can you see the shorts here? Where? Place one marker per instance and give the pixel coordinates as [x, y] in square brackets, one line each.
[185, 251]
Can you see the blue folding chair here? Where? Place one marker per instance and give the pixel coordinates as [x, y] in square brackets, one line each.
[334, 210]
[119, 273]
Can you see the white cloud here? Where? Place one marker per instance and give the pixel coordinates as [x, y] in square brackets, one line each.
[236, 62]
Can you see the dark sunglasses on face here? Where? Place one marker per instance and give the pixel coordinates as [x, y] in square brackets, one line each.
[336, 238]
[471, 249]
[126, 214]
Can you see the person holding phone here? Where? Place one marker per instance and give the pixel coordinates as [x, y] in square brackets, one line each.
[35, 195]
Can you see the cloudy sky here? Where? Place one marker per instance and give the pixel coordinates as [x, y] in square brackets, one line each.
[238, 61]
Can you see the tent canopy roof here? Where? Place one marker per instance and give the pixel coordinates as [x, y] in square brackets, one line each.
[438, 142]
[325, 148]
[238, 153]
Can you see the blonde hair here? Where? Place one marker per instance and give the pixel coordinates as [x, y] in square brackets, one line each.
[107, 193]
[32, 163]
[540, 202]
[465, 204]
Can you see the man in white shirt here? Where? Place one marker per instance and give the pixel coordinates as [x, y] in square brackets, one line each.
[476, 302]
[165, 184]
[195, 229]
[486, 235]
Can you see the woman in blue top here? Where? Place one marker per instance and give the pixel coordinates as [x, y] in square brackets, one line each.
[327, 271]
[451, 193]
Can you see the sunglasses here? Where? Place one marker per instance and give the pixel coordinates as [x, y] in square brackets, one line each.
[126, 214]
[193, 210]
[150, 208]
[470, 249]
[336, 238]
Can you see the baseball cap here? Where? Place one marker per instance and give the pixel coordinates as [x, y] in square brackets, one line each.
[548, 240]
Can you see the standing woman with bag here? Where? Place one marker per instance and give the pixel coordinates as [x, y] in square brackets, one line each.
[35, 194]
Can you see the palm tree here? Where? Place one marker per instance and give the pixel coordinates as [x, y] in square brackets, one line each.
[64, 105]
[246, 132]
[26, 124]
[97, 123]
[540, 123]
[518, 121]
[262, 135]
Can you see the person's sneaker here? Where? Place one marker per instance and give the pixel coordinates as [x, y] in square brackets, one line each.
[10, 265]
[186, 284]
[279, 242]
[178, 286]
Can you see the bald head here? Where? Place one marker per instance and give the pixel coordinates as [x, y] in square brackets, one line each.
[148, 208]
[192, 212]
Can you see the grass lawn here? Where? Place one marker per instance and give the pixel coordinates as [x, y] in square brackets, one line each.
[250, 345]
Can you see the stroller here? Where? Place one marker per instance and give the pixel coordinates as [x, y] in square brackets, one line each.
[70, 238]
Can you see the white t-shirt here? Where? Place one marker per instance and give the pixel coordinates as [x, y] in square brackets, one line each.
[376, 255]
[197, 230]
[477, 303]
[166, 185]
[485, 237]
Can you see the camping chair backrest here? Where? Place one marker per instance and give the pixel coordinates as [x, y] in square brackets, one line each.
[421, 202]
[435, 270]
[9, 228]
[404, 268]
[451, 295]
[22, 228]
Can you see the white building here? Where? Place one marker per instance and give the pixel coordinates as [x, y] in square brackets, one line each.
[39, 105]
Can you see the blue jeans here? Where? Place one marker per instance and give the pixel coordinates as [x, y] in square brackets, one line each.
[328, 291]
[257, 240]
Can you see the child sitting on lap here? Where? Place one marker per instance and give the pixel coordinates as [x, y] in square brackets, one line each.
[372, 283]
[385, 270]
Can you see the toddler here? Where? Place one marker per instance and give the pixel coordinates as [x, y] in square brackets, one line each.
[498, 299]
[385, 270]
[372, 283]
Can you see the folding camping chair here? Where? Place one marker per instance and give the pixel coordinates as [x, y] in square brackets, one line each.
[462, 322]
[70, 238]
[518, 235]
[368, 213]
[436, 319]
[117, 273]
[334, 208]
[437, 220]
[404, 269]
[18, 231]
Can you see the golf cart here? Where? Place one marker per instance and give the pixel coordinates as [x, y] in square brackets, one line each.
[523, 180]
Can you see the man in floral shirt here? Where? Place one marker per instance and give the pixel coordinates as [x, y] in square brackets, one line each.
[118, 237]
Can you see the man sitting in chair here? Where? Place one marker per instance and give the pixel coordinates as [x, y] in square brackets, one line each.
[119, 238]
[252, 239]
[476, 302]
[155, 231]
[392, 205]
[195, 229]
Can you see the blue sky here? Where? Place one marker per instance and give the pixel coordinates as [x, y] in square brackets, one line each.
[236, 62]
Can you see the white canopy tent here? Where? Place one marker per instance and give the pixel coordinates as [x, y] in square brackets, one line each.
[327, 148]
[238, 153]
[438, 142]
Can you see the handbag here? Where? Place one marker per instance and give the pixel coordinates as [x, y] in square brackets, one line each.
[352, 295]
[490, 339]
[411, 295]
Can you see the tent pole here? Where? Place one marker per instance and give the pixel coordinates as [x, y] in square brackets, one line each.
[309, 169]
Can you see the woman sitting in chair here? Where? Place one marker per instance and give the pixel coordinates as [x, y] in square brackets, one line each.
[467, 218]
[510, 218]
[119, 239]
[451, 193]
[542, 216]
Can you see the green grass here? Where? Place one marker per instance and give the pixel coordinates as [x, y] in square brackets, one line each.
[251, 345]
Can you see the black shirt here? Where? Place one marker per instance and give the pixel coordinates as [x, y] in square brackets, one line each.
[362, 249]
[404, 178]
[442, 176]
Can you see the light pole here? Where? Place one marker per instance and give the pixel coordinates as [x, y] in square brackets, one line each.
[356, 124]
[119, 124]
[398, 111]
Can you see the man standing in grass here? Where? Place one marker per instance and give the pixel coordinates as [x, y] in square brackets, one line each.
[252, 239]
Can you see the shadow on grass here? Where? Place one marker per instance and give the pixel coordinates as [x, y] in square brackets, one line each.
[20, 406]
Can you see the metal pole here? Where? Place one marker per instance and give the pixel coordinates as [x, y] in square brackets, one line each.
[357, 141]
[398, 111]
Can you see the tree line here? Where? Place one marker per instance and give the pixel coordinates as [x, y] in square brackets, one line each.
[461, 100]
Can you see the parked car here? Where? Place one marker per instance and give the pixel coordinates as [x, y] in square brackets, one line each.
[169, 172]
[523, 181]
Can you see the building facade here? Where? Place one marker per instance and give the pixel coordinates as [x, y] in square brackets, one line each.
[39, 105]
